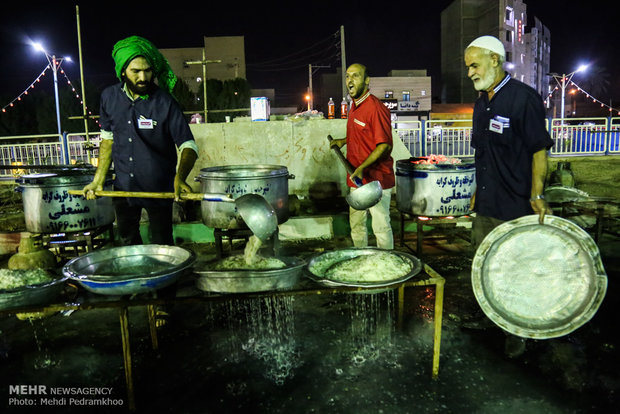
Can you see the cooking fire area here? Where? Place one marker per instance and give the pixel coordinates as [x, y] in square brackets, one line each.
[317, 325]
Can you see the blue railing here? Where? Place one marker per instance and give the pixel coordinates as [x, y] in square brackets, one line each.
[571, 137]
[46, 150]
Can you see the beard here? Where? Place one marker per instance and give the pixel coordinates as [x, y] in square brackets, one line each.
[139, 88]
[485, 82]
[356, 91]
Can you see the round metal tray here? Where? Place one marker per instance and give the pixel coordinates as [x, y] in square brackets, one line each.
[320, 263]
[538, 281]
[244, 281]
[32, 295]
[129, 269]
[559, 194]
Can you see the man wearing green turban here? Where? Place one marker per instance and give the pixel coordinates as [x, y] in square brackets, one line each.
[128, 49]
[142, 130]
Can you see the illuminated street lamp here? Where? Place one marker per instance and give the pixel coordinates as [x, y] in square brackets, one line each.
[55, 63]
[562, 81]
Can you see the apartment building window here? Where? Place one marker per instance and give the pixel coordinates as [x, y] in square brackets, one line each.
[509, 16]
[389, 94]
[406, 96]
[508, 56]
[509, 36]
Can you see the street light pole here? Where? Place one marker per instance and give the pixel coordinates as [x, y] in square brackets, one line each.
[55, 63]
[55, 70]
[562, 83]
[203, 62]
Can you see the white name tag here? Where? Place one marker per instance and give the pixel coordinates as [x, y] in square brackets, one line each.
[145, 123]
[496, 126]
[357, 121]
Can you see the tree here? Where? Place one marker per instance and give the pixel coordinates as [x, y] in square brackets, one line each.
[595, 81]
[35, 113]
[229, 94]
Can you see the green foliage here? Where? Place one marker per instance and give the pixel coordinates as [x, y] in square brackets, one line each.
[229, 94]
[35, 113]
[184, 96]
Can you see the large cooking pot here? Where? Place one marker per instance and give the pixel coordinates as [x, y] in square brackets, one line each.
[434, 190]
[49, 208]
[269, 181]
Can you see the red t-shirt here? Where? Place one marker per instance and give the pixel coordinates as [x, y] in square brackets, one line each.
[369, 125]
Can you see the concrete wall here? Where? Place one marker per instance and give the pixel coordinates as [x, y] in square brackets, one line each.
[597, 176]
[189, 73]
[301, 146]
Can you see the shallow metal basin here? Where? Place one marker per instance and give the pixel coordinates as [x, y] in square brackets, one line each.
[129, 269]
[31, 295]
[242, 281]
[538, 280]
[318, 265]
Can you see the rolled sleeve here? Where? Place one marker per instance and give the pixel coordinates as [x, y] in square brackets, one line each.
[106, 134]
[191, 144]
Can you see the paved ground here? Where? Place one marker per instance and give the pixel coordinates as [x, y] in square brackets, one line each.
[336, 354]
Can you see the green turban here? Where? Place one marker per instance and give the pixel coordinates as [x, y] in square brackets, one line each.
[127, 49]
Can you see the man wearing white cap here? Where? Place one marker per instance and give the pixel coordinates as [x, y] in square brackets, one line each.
[510, 139]
[511, 144]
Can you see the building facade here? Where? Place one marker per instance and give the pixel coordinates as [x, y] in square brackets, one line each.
[406, 93]
[229, 50]
[527, 54]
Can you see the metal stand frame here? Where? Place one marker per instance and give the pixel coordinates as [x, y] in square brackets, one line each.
[86, 240]
[432, 279]
[446, 223]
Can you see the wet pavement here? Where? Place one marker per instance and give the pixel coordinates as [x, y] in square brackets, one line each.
[339, 353]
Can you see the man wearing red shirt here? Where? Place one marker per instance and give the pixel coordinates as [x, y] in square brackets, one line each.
[369, 144]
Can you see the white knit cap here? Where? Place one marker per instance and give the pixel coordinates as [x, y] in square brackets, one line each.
[490, 43]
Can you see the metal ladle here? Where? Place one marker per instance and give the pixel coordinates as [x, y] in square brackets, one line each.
[258, 215]
[255, 210]
[364, 196]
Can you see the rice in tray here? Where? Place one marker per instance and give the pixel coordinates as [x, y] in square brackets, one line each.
[16, 278]
[378, 267]
[239, 262]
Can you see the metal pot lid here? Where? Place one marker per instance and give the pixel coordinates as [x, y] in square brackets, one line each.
[61, 177]
[539, 281]
[255, 171]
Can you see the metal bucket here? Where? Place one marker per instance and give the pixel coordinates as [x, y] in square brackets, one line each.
[434, 190]
[269, 181]
[49, 208]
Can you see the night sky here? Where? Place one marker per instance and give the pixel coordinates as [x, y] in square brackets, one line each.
[403, 36]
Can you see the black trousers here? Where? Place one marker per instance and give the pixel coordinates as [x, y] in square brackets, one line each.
[481, 226]
[128, 223]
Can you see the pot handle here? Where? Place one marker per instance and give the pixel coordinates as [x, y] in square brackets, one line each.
[291, 176]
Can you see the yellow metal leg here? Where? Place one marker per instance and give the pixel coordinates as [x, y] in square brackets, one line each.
[438, 322]
[127, 356]
[153, 325]
[439, 282]
[401, 306]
